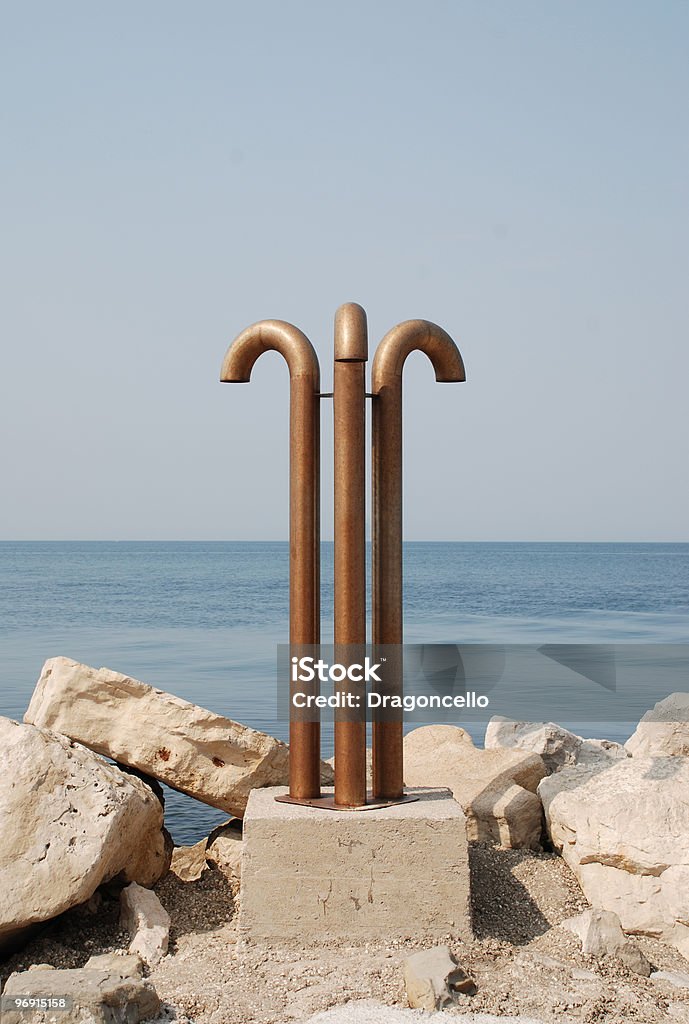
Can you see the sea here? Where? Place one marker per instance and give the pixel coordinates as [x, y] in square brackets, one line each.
[203, 620]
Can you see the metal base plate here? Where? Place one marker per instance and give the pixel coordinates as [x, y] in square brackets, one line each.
[327, 803]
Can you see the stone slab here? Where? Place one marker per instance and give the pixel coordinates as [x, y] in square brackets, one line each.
[196, 751]
[392, 872]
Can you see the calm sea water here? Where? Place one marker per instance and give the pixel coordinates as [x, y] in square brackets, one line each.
[202, 619]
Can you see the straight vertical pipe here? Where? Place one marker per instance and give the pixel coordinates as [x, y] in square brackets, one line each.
[349, 410]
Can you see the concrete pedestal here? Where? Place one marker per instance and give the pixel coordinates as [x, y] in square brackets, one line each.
[394, 872]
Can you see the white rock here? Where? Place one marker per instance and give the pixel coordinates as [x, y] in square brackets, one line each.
[664, 730]
[189, 862]
[581, 974]
[221, 850]
[557, 746]
[599, 752]
[634, 959]
[148, 923]
[212, 758]
[624, 831]
[99, 996]
[496, 788]
[680, 979]
[433, 979]
[126, 965]
[68, 822]
[601, 934]
[599, 931]
[224, 850]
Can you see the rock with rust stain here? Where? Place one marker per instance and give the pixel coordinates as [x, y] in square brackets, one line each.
[198, 752]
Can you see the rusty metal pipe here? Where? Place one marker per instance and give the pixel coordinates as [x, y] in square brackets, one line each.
[386, 386]
[349, 410]
[304, 585]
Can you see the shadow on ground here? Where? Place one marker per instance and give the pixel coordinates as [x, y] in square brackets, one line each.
[200, 906]
[501, 905]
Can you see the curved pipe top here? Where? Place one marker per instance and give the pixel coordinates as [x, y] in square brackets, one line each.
[409, 336]
[270, 336]
[351, 334]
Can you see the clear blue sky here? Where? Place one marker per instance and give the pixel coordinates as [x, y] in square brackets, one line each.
[516, 172]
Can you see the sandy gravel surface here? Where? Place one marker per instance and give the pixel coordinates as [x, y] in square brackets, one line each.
[522, 962]
[370, 1012]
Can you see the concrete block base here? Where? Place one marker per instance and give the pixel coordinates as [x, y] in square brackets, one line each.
[394, 872]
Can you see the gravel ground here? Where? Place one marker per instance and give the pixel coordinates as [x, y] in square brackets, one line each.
[369, 1012]
[521, 961]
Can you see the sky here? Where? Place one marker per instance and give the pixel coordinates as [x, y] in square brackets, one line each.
[174, 171]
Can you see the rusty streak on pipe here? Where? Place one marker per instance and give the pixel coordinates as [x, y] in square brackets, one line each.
[386, 385]
[349, 410]
[304, 586]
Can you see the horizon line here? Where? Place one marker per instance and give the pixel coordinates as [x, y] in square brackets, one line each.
[270, 540]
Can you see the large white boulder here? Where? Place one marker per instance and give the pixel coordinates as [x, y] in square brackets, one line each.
[558, 747]
[664, 730]
[68, 822]
[212, 758]
[496, 788]
[624, 831]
